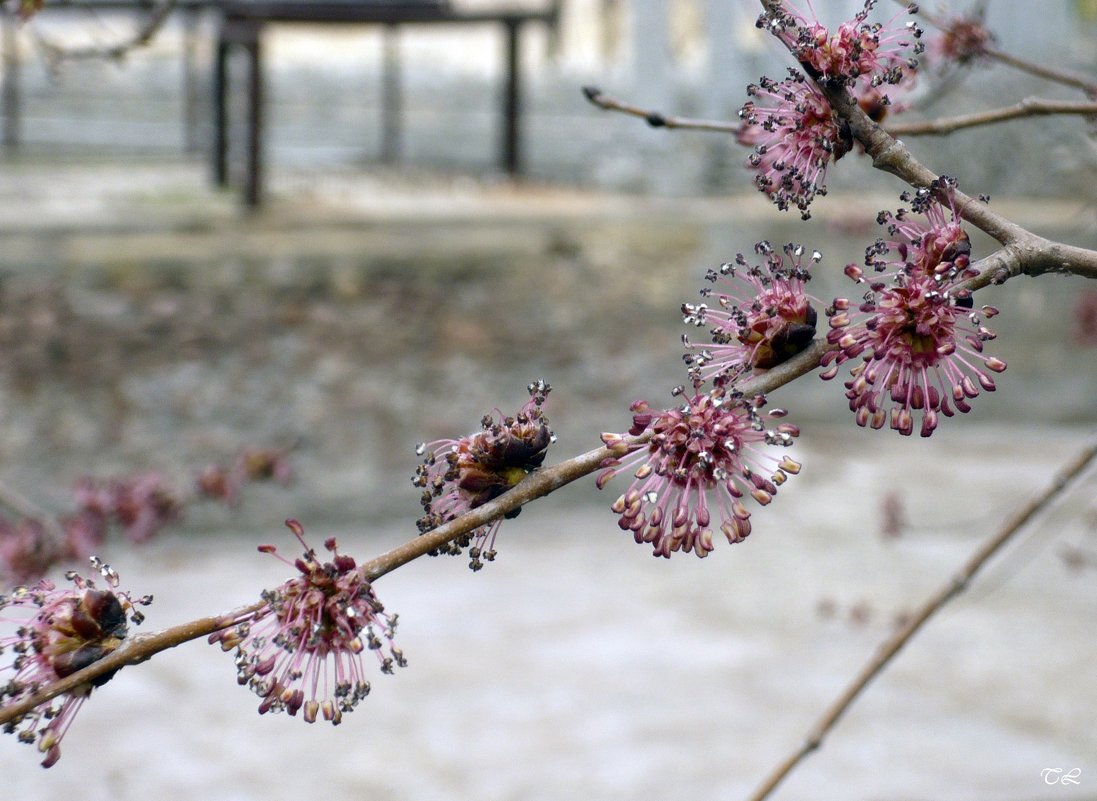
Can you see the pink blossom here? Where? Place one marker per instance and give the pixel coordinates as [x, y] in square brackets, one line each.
[462, 474]
[303, 649]
[703, 457]
[60, 631]
[876, 52]
[961, 40]
[27, 549]
[919, 336]
[758, 315]
[141, 504]
[795, 136]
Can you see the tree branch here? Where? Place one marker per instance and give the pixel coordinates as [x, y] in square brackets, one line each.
[1026, 253]
[1072, 79]
[536, 485]
[1029, 107]
[1064, 77]
[654, 118]
[132, 651]
[1032, 256]
[949, 590]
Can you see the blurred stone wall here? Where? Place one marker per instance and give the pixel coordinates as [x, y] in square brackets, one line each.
[131, 342]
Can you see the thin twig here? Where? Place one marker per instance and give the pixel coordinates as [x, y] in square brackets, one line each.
[1029, 107]
[1072, 79]
[133, 650]
[656, 119]
[536, 485]
[949, 590]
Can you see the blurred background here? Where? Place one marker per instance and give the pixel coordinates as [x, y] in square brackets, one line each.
[393, 291]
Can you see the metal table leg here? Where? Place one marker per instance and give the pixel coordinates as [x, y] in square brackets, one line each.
[512, 109]
[253, 182]
[219, 149]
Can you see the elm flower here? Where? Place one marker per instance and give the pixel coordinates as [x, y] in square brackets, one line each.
[60, 631]
[220, 482]
[266, 464]
[876, 52]
[919, 336]
[962, 40]
[795, 135]
[462, 474]
[759, 315]
[706, 453]
[28, 549]
[141, 504]
[935, 243]
[303, 648]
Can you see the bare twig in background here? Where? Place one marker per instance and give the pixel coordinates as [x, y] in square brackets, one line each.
[1024, 253]
[654, 118]
[987, 50]
[1029, 107]
[1085, 83]
[949, 590]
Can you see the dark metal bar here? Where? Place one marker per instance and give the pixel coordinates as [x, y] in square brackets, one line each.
[512, 109]
[253, 185]
[220, 110]
[392, 94]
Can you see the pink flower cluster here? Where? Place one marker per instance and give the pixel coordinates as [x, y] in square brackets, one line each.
[876, 53]
[140, 506]
[303, 650]
[58, 632]
[758, 315]
[795, 136]
[918, 335]
[962, 40]
[220, 482]
[790, 123]
[703, 457]
[462, 474]
[29, 547]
